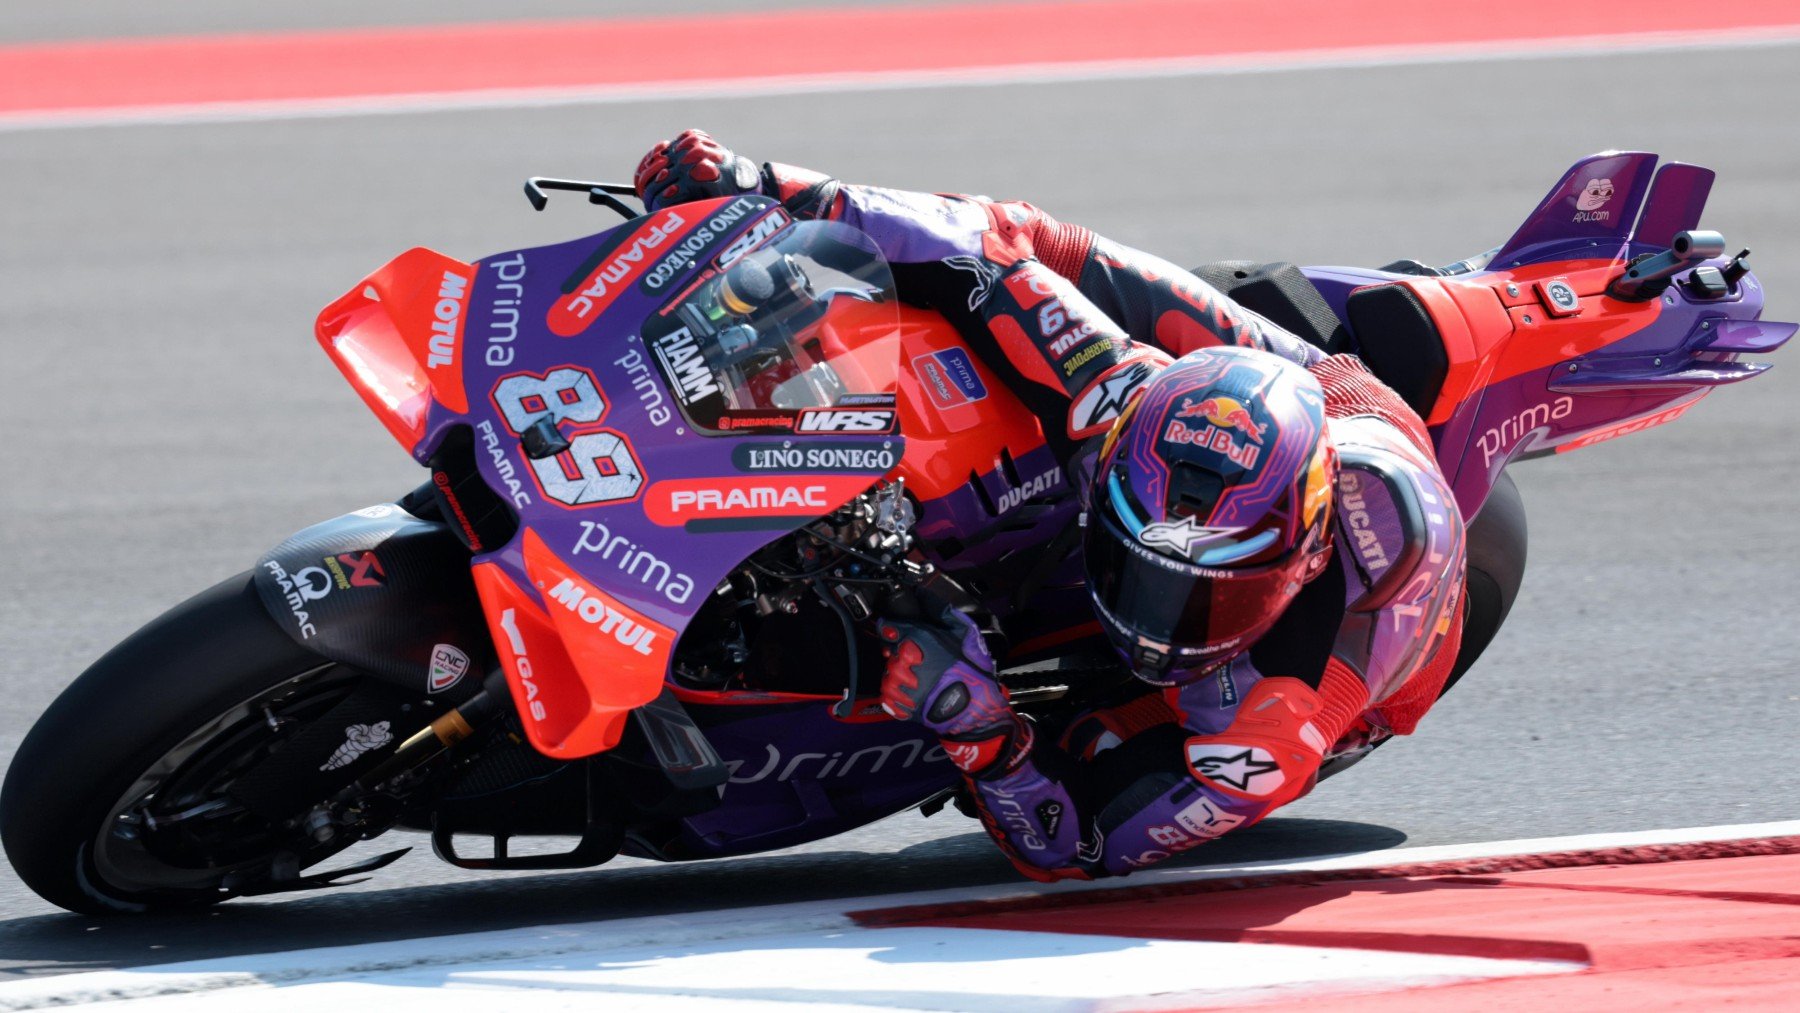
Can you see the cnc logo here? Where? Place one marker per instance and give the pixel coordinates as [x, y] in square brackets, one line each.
[448, 665]
[574, 312]
[845, 420]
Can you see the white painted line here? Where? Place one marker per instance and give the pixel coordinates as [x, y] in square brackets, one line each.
[605, 947]
[803, 84]
[977, 970]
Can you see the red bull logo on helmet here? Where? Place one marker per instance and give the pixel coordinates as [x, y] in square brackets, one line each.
[1225, 413]
[1226, 428]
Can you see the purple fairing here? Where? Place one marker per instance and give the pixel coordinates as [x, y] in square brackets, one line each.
[665, 572]
[1645, 377]
[798, 774]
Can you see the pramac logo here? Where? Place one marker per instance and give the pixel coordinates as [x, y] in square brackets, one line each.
[574, 312]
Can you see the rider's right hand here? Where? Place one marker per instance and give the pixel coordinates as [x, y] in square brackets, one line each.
[693, 166]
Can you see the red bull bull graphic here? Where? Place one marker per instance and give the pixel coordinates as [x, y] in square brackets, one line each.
[1224, 412]
[1226, 418]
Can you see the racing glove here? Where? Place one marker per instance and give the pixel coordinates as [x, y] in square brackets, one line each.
[940, 674]
[693, 166]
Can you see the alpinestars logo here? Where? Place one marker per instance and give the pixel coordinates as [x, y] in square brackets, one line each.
[1109, 398]
[985, 276]
[1182, 537]
[1244, 769]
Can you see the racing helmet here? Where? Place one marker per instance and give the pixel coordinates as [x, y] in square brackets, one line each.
[1210, 509]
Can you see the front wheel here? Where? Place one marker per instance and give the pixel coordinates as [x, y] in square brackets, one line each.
[127, 794]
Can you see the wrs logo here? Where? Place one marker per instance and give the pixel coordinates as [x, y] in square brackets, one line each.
[845, 420]
[574, 312]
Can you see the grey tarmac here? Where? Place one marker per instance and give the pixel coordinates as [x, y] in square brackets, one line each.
[167, 415]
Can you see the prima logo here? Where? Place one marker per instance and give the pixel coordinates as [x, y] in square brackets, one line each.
[649, 395]
[1511, 430]
[911, 752]
[635, 561]
[503, 311]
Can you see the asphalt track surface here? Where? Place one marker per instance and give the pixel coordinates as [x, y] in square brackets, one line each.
[168, 416]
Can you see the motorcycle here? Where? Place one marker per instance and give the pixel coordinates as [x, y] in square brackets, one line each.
[675, 470]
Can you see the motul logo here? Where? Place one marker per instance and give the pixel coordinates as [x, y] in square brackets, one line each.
[574, 312]
[446, 323]
[607, 615]
[847, 420]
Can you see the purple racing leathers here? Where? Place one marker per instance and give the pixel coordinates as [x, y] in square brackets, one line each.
[1360, 654]
[1051, 307]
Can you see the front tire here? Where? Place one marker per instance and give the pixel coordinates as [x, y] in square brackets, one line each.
[173, 709]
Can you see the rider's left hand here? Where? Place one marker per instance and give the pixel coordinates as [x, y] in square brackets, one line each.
[693, 166]
[920, 652]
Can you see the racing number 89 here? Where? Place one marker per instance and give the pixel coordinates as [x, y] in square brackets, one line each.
[599, 466]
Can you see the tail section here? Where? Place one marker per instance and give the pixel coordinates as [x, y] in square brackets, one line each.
[1589, 213]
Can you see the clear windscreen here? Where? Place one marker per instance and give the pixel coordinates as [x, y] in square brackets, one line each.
[806, 319]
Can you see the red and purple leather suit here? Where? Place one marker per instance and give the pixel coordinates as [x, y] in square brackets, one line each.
[1361, 653]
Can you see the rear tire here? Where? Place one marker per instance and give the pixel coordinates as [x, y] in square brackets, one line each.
[126, 717]
[1497, 545]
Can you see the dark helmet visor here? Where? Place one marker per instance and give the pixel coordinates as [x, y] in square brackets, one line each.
[1200, 615]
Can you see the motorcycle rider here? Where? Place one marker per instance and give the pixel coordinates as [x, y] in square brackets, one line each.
[1270, 626]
